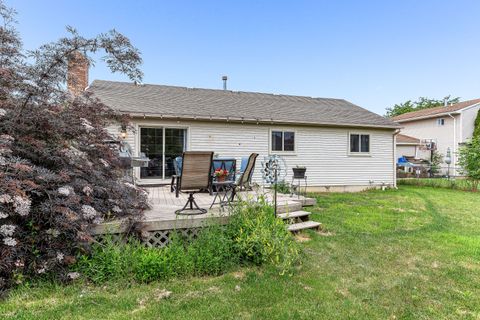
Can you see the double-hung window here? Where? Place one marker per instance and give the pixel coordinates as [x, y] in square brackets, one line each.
[359, 143]
[283, 141]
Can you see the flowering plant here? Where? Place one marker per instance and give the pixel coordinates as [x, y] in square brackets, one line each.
[59, 175]
[220, 173]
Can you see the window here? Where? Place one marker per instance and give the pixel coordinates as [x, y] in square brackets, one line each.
[440, 122]
[359, 143]
[283, 141]
[161, 146]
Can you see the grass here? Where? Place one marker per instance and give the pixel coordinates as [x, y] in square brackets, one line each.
[412, 254]
[459, 183]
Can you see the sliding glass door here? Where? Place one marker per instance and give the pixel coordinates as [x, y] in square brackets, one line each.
[161, 146]
[174, 147]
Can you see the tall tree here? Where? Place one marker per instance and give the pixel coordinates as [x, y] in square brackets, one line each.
[420, 104]
[59, 174]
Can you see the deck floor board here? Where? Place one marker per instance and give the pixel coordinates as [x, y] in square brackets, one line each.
[164, 204]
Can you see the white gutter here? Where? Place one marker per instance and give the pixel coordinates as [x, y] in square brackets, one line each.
[182, 117]
[454, 150]
[461, 128]
[395, 157]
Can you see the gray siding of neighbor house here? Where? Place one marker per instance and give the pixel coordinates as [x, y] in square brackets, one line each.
[323, 150]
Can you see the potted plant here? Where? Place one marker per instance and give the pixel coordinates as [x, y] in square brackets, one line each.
[299, 172]
[220, 174]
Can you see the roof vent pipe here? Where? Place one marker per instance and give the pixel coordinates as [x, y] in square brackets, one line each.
[224, 78]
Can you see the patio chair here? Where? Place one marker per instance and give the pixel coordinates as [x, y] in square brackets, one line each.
[243, 182]
[194, 177]
[177, 166]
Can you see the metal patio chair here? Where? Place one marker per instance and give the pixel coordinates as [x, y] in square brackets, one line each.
[177, 166]
[245, 179]
[194, 177]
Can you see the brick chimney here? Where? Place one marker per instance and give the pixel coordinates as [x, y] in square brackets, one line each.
[77, 76]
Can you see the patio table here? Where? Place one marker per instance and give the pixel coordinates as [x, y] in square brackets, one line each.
[222, 192]
[226, 163]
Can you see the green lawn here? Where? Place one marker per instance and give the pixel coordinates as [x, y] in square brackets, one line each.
[412, 253]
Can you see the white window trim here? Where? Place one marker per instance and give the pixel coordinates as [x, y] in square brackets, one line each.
[137, 127]
[270, 143]
[439, 120]
[360, 153]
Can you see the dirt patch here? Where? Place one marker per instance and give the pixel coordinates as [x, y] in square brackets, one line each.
[161, 294]
[343, 292]
[197, 294]
[239, 275]
[141, 305]
[325, 233]
[214, 289]
[302, 237]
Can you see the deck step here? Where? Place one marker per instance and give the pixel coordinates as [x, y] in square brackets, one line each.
[288, 206]
[294, 214]
[304, 225]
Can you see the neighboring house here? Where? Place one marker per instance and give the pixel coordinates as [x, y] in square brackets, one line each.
[343, 146]
[408, 146]
[447, 126]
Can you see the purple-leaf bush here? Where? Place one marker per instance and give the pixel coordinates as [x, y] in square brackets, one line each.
[60, 173]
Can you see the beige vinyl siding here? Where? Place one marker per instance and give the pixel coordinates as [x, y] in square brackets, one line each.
[115, 131]
[468, 123]
[406, 151]
[428, 129]
[324, 151]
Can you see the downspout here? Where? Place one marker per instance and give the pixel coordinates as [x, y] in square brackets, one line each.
[397, 131]
[454, 151]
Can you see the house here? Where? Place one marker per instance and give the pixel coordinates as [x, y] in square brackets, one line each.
[408, 146]
[343, 146]
[445, 127]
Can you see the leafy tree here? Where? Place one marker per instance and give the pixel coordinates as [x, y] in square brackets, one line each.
[436, 162]
[469, 160]
[420, 104]
[59, 174]
[476, 128]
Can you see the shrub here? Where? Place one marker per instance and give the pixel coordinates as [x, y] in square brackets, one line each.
[283, 187]
[213, 252]
[59, 175]
[436, 162]
[254, 236]
[469, 160]
[259, 237]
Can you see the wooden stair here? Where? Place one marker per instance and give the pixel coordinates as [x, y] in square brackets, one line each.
[292, 213]
[298, 221]
[299, 226]
[295, 215]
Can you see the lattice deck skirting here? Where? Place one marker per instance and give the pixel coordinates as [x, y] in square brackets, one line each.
[156, 238]
[161, 238]
[158, 233]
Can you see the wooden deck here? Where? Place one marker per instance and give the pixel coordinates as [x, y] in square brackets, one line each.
[164, 203]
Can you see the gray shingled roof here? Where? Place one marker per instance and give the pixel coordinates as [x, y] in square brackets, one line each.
[192, 103]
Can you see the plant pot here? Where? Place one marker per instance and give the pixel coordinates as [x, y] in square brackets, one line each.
[221, 178]
[299, 173]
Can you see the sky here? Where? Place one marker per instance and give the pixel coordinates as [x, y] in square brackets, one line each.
[372, 53]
